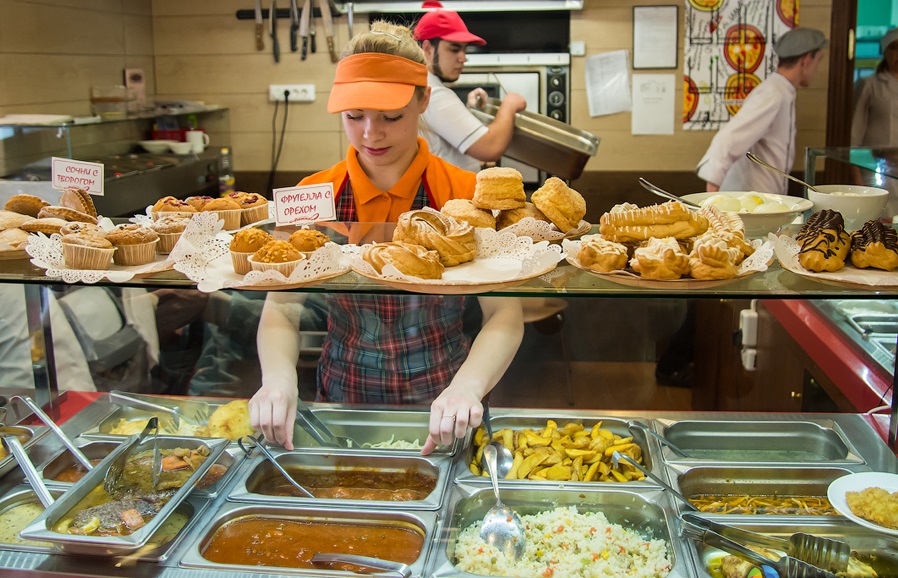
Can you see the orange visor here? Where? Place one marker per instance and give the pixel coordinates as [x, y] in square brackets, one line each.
[375, 81]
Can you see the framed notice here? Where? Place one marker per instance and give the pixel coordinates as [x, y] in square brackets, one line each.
[655, 36]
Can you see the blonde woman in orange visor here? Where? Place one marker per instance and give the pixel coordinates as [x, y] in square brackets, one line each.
[387, 349]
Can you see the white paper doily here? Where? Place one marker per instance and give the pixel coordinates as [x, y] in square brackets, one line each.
[787, 250]
[755, 263]
[543, 231]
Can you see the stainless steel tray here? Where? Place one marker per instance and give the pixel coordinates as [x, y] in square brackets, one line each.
[427, 522]
[259, 468]
[34, 433]
[644, 510]
[543, 142]
[117, 413]
[41, 527]
[772, 442]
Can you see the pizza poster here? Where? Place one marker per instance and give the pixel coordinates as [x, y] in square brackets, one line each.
[728, 50]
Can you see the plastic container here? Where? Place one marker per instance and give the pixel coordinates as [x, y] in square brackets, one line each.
[225, 171]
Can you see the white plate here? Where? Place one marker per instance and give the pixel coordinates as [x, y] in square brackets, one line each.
[856, 483]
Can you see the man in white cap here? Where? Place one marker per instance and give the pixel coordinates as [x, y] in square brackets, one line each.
[453, 133]
[765, 124]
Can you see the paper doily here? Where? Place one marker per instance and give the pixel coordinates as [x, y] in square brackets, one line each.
[787, 250]
[543, 231]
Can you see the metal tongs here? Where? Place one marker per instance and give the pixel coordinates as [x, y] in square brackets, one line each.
[316, 428]
[118, 466]
[376, 564]
[34, 478]
[36, 409]
[193, 412]
[249, 443]
[831, 555]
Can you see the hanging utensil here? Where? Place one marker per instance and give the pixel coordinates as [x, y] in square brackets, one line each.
[662, 193]
[312, 45]
[316, 428]
[34, 478]
[328, 20]
[273, 31]
[116, 468]
[260, 44]
[502, 527]
[69, 444]
[616, 457]
[304, 28]
[350, 9]
[380, 566]
[256, 443]
[757, 160]
[294, 26]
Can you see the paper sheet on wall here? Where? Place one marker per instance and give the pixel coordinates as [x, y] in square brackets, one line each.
[608, 83]
[653, 104]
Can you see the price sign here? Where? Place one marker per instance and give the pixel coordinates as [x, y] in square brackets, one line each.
[78, 174]
[306, 204]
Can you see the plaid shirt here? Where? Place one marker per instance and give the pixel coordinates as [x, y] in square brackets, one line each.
[389, 349]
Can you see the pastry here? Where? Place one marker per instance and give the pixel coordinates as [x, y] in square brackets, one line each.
[13, 238]
[276, 255]
[78, 200]
[171, 204]
[12, 220]
[564, 206]
[136, 244]
[169, 228]
[729, 227]
[824, 243]
[228, 211]
[453, 241]
[198, 202]
[672, 219]
[660, 258]
[66, 213]
[308, 240]
[711, 258]
[86, 251]
[81, 227]
[253, 205]
[499, 188]
[465, 210]
[47, 225]
[25, 204]
[243, 244]
[409, 259]
[512, 216]
[601, 254]
[874, 245]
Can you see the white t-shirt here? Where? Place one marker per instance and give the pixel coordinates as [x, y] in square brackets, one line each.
[765, 125]
[451, 128]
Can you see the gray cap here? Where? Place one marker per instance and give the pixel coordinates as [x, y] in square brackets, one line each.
[799, 41]
[889, 37]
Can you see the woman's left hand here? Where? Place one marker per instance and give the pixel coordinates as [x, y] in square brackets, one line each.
[450, 415]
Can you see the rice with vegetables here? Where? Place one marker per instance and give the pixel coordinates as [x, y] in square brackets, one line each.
[565, 543]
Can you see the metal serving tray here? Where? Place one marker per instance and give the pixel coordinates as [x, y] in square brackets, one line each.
[536, 422]
[426, 522]
[874, 323]
[99, 449]
[34, 434]
[644, 510]
[371, 426]
[119, 412]
[868, 544]
[774, 442]
[756, 481]
[41, 527]
[260, 468]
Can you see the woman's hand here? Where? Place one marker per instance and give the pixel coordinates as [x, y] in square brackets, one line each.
[450, 415]
[273, 411]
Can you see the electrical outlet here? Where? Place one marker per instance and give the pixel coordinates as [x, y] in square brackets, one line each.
[297, 92]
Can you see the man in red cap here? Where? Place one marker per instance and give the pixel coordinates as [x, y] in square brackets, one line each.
[453, 133]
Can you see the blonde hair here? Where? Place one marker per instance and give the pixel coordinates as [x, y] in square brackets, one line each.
[388, 38]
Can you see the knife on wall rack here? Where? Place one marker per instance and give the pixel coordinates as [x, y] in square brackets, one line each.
[294, 26]
[328, 20]
[260, 44]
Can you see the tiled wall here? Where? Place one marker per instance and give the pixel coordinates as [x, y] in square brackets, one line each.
[199, 50]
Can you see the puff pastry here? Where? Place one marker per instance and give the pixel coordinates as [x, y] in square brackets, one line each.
[499, 188]
[729, 227]
[824, 242]
[671, 219]
[409, 259]
[564, 206]
[465, 210]
[601, 254]
[512, 216]
[711, 258]
[874, 245]
[660, 258]
[453, 241]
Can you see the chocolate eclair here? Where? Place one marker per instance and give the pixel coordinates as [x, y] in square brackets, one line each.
[824, 242]
[875, 245]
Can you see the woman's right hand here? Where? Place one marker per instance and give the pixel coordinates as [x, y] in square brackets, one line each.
[273, 411]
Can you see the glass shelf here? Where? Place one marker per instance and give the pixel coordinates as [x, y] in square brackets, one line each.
[144, 115]
[883, 161]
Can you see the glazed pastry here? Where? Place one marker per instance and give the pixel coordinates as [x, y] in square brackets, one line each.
[874, 245]
[671, 219]
[660, 258]
[729, 227]
[66, 214]
[25, 204]
[465, 210]
[499, 188]
[409, 259]
[78, 200]
[564, 206]
[512, 216]
[47, 225]
[308, 240]
[711, 258]
[824, 242]
[453, 241]
[601, 254]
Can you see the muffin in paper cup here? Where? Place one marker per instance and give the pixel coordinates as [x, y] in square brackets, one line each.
[254, 214]
[167, 242]
[136, 254]
[84, 257]
[231, 218]
[169, 229]
[240, 261]
[285, 267]
[156, 215]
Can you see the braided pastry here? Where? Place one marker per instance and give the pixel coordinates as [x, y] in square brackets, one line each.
[711, 258]
[671, 219]
[824, 242]
[453, 241]
[660, 258]
[874, 245]
[409, 259]
[601, 254]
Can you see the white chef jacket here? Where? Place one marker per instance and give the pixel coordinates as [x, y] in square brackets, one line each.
[451, 128]
[764, 125]
[875, 119]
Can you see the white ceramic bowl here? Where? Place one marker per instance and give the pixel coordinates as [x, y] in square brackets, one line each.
[157, 147]
[758, 224]
[858, 204]
[181, 148]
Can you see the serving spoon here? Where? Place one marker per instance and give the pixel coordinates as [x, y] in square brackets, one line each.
[758, 161]
[654, 189]
[502, 527]
[504, 459]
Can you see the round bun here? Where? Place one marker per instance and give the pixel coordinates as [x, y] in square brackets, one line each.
[249, 240]
[170, 203]
[66, 214]
[409, 259]
[564, 206]
[512, 216]
[131, 234]
[465, 210]
[453, 241]
[221, 205]
[277, 252]
[499, 188]
[308, 240]
[25, 204]
[78, 200]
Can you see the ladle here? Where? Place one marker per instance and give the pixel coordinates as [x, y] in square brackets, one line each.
[616, 457]
[664, 441]
[381, 566]
[757, 160]
[654, 189]
[69, 444]
[34, 478]
[502, 527]
[258, 444]
[504, 459]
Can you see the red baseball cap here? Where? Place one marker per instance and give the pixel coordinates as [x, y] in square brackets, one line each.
[445, 24]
